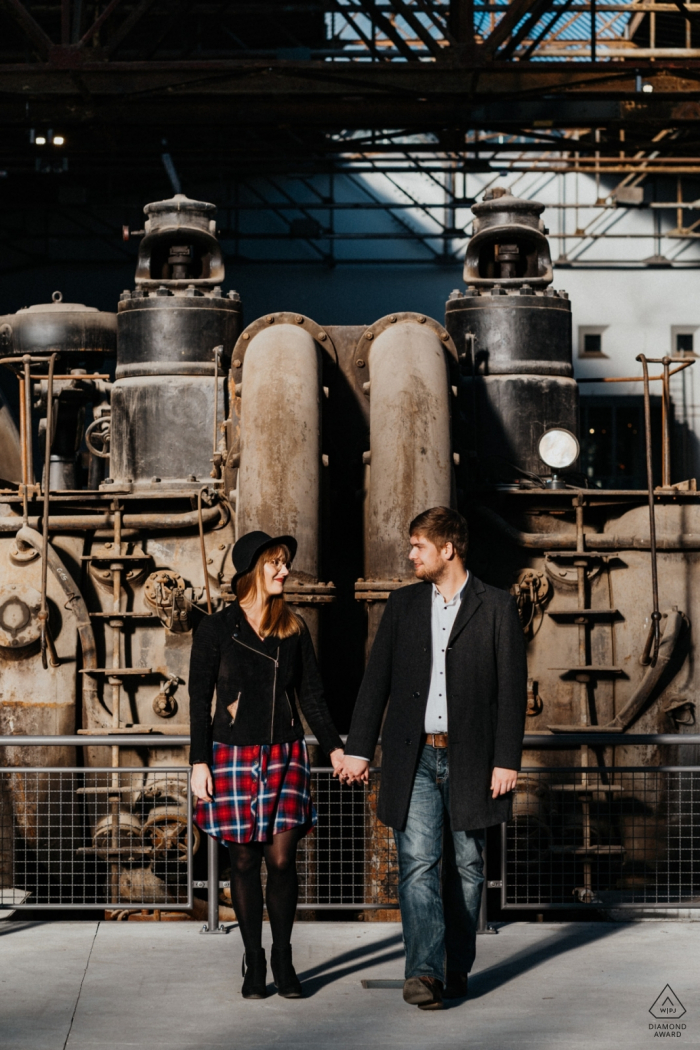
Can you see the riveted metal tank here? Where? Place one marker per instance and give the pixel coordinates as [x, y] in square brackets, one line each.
[82, 337]
[173, 331]
[513, 335]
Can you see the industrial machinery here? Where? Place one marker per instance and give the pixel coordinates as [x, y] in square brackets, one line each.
[148, 440]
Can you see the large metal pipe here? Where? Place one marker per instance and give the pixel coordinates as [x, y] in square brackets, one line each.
[280, 460]
[554, 741]
[80, 522]
[600, 541]
[410, 466]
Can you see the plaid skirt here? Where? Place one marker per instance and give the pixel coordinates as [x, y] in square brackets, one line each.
[259, 791]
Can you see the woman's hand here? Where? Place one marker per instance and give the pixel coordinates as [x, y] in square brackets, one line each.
[201, 782]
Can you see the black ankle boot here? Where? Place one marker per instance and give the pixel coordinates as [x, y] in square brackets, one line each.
[283, 973]
[255, 974]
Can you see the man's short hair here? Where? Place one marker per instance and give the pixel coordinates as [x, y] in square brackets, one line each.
[443, 525]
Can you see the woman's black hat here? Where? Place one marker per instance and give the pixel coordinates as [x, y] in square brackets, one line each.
[248, 549]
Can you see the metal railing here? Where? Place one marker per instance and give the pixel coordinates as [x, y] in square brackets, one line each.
[586, 836]
[604, 837]
[96, 838]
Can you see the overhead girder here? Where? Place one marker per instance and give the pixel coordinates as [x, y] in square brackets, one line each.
[320, 94]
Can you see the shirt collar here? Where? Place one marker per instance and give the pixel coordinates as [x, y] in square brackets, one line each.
[457, 598]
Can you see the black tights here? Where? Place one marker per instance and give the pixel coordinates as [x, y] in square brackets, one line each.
[282, 887]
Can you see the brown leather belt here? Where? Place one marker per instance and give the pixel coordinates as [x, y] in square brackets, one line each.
[436, 739]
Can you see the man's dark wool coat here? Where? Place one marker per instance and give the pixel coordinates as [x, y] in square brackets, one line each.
[486, 678]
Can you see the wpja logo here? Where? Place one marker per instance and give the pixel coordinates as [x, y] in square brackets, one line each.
[667, 1005]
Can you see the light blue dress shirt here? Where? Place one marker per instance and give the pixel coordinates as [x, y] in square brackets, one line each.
[443, 617]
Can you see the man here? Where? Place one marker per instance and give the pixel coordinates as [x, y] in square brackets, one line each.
[449, 657]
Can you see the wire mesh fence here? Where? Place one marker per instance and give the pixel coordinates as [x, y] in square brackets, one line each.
[614, 837]
[350, 859]
[96, 837]
[124, 838]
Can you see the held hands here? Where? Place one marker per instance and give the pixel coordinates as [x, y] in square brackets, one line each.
[503, 781]
[349, 770]
[201, 782]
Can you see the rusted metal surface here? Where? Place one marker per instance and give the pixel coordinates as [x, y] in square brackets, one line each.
[339, 435]
[409, 467]
[279, 476]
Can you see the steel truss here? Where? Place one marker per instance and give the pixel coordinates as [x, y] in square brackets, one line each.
[99, 95]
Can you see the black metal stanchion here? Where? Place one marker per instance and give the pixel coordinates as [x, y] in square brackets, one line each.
[212, 925]
[483, 926]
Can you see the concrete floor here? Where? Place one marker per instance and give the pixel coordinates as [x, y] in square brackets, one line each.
[94, 985]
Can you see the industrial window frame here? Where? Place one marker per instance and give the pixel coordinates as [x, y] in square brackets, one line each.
[591, 329]
[683, 329]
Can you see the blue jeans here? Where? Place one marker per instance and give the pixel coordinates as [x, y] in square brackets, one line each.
[439, 929]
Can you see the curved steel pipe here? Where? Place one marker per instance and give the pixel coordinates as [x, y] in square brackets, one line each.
[279, 477]
[76, 603]
[667, 646]
[410, 465]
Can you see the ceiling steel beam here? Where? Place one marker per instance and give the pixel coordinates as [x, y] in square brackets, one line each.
[41, 43]
[516, 10]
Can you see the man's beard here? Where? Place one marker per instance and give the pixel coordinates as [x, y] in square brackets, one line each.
[435, 576]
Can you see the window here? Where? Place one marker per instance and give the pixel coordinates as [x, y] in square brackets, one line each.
[590, 341]
[684, 343]
[612, 441]
[683, 340]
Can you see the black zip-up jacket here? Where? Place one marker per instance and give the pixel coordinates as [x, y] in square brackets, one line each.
[265, 680]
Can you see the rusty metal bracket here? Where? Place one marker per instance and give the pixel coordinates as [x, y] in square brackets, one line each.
[379, 590]
[299, 593]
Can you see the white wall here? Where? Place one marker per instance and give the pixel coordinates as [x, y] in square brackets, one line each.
[640, 309]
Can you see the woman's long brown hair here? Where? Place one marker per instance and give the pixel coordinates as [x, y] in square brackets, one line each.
[277, 618]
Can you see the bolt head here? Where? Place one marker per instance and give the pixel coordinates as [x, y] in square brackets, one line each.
[269, 319]
[322, 336]
[422, 320]
[299, 319]
[236, 363]
[360, 363]
[246, 335]
[369, 335]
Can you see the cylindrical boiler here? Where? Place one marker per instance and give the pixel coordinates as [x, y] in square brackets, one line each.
[173, 331]
[513, 336]
[82, 337]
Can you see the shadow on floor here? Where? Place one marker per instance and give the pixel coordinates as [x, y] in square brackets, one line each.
[501, 973]
[16, 926]
[317, 977]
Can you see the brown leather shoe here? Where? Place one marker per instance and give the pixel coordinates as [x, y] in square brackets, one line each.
[455, 985]
[423, 992]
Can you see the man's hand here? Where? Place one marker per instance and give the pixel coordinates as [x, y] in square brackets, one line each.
[337, 756]
[351, 770]
[201, 782]
[503, 781]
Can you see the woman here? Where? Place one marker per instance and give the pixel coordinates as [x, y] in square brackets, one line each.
[250, 768]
